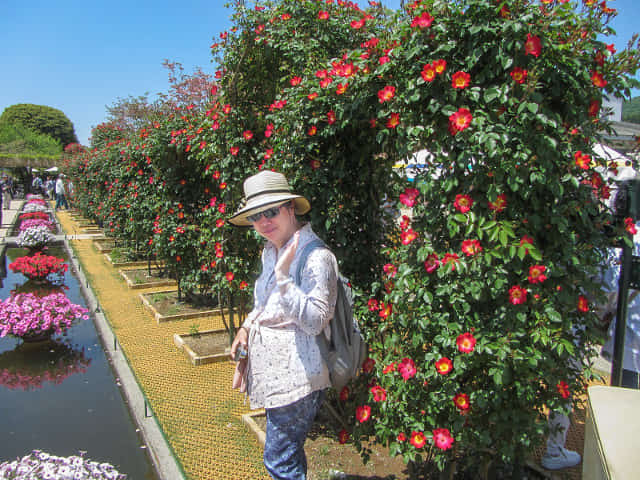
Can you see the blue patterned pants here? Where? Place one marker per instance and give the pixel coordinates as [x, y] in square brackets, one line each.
[287, 429]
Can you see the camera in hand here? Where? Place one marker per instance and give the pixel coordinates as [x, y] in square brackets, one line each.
[241, 353]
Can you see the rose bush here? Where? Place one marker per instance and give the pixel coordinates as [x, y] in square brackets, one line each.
[481, 291]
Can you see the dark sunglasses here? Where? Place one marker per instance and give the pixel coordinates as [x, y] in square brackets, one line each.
[269, 213]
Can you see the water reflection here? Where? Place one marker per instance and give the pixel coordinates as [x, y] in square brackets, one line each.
[40, 289]
[30, 366]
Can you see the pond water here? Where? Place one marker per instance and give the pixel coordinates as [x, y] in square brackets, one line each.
[62, 396]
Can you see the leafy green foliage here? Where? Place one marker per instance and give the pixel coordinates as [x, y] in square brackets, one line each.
[42, 119]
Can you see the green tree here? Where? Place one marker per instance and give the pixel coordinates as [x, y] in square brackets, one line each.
[17, 139]
[42, 119]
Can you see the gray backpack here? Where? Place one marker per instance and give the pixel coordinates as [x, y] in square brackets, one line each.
[346, 351]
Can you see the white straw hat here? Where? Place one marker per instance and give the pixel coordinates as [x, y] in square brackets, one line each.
[264, 190]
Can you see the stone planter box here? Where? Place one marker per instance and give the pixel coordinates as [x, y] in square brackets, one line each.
[87, 224]
[139, 278]
[147, 300]
[254, 421]
[141, 263]
[204, 347]
[104, 245]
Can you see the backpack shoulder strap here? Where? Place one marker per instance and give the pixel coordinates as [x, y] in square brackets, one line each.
[304, 255]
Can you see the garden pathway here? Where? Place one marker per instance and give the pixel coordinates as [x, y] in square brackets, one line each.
[195, 406]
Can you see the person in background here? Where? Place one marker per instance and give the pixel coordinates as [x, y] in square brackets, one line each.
[36, 185]
[71, 192]
[5, 186]
[61, 199]
[50, 187]
[284, 371]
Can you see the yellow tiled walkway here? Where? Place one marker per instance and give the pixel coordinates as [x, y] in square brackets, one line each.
[195, 406]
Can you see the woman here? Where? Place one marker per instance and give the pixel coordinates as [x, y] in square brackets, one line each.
[285, 372]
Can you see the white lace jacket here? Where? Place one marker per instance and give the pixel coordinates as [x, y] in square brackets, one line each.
[285, 363]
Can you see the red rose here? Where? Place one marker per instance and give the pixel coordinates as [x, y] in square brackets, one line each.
[409, 196]
[422, 21]
[428, 72]
[517, 295]
[394, 120]
[563, 389]
[519, 75]
[418, 439]
[471, 247]
[466, 342]
[431, 263]
[460, 80]
[463, 203]
[407, 368]
[536, 274]
[363, 413]
[461, 401]
[442, 438]
[532, 46]
[386, 94]
[500, 204]
[583, 304]
[379, 393]
[444, 366]
[459, 121]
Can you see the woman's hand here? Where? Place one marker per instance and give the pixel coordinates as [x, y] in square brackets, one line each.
[286, 257]
[241, 341]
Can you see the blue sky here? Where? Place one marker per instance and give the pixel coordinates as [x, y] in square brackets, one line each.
[79, 56]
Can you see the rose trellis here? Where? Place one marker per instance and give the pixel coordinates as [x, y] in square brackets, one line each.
[479, 304]
[473, 320]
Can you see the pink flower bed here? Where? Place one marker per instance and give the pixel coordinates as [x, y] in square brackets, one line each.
[27, 314]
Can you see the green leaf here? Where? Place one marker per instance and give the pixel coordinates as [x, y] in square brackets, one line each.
[503, 238]
[491, 94]
[506, 61]
[449, 110]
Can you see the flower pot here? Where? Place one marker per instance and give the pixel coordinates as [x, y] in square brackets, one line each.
[37, 337]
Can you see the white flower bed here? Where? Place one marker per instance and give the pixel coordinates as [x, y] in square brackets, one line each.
[39, 465]
[34, 207]
[35, 237]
